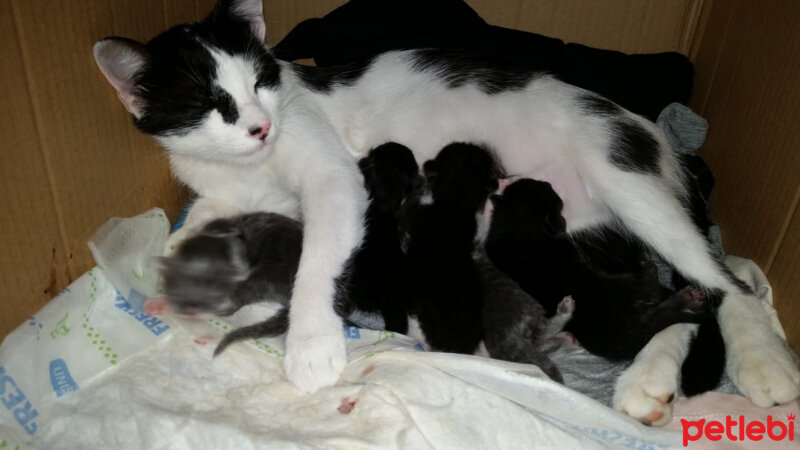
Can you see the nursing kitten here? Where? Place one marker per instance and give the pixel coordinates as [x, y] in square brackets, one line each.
[616, 314]
[440, 240]
[379, 275]
[249, 133]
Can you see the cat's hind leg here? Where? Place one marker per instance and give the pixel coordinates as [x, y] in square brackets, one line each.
[759, 361]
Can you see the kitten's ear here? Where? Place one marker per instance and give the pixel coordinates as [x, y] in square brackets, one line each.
[120, 60]
[249, 11]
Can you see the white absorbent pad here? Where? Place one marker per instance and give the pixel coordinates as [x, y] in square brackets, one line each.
[89, 372]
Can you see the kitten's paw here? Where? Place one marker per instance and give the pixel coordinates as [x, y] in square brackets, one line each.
[766, 374]
[314, 361]
[646, 389]
[566, 306]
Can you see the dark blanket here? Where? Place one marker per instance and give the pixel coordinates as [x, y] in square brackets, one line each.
[360, 29]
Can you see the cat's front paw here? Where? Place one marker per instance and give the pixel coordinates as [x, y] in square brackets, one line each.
[646, 389]
[766, 374]
[314, 360]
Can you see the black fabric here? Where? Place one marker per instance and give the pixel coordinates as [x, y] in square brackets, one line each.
[361, 29]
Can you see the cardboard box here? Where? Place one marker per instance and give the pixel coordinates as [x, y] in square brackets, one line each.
[71, 159]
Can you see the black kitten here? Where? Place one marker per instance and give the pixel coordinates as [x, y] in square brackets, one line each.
[440, 239]
[616, 311]
[378, 274]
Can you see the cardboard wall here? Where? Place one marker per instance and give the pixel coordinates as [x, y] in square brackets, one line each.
[71, 158]
[747, 74]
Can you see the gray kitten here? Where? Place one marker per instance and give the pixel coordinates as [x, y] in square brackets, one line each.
[232, 262]
[516, 327]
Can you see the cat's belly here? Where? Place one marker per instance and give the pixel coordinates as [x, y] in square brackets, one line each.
[527, 142]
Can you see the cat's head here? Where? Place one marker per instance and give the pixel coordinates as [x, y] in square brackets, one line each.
[204, 272]
[529, 205]
[463, 175]
[207, 89]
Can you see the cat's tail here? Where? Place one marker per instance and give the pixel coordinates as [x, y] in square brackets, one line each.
[274, 326]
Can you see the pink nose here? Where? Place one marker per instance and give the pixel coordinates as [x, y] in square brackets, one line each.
[261, 132]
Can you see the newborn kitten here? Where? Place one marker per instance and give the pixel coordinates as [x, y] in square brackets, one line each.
[448, 295]
[616, 314]
[232, 262]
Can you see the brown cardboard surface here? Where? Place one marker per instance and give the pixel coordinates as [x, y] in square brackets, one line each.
[784, 275]
[748, 67]
[32, 259]
[747, 72]
[632, 26]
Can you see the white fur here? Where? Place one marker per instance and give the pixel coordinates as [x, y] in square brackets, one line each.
[643, 389]
[757, 359]
[415, 332]
[306, 169]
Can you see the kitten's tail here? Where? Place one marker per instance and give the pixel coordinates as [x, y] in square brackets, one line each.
[274, 326]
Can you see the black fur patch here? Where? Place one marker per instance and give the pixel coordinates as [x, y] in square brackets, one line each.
[704, 365]
[596, 105]
[633, 148]
[456, 69]
[324, 79]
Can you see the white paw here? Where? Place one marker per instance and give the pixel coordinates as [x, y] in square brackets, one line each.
[766, 374]
[314, 361]
[646, 389]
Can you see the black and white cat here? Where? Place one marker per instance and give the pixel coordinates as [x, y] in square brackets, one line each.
[250, 133]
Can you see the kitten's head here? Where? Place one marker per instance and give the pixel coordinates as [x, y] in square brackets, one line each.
[391, 175]
[207, 89]
[529, 205]
[204, 271]
[462, 175]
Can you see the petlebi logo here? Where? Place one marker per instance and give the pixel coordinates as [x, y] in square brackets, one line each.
[739, 429]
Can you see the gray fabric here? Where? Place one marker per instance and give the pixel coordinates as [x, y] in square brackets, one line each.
[685, 130]
[595, 377]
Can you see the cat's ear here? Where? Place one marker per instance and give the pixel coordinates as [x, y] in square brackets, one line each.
[249, 11]
[120, 60]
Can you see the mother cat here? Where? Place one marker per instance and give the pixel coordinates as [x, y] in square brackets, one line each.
[250, 133]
